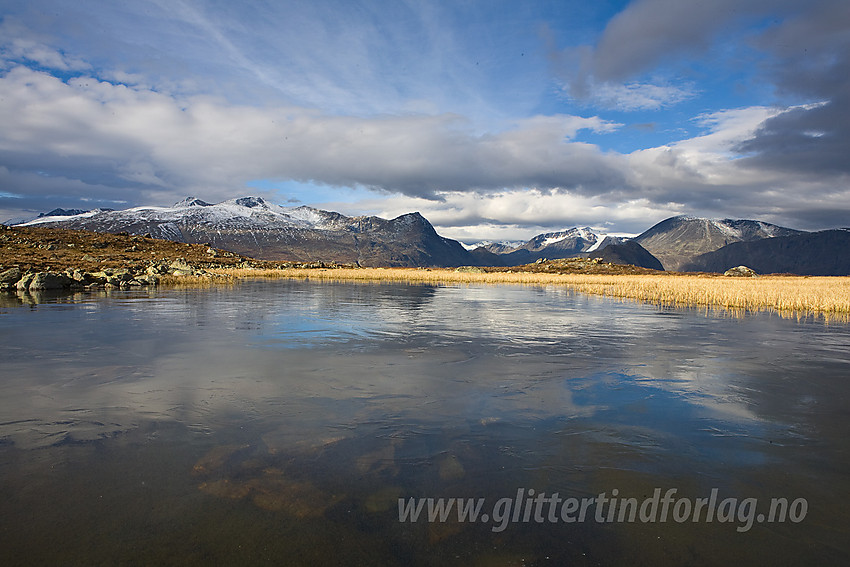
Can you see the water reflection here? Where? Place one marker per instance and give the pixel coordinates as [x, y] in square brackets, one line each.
[286, 407]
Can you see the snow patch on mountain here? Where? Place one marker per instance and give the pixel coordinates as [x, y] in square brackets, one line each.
[726, 229]
[244, 211]
[61, 218]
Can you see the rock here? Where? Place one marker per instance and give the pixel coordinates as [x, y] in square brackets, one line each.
[24, 283]
[289, 442]
[180, 264]
[740, 272]
[50, 280]
[89, 258]
[450, 468]
[471, 270]
[10, 277]
[148, 279]
[383, 500]
[157, 268]
[277, 493]
[216, 458]
[180, 267]
[225, 488]
[379, 461]
[97, 278]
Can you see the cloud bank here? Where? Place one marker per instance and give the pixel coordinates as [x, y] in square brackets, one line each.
[79, 133]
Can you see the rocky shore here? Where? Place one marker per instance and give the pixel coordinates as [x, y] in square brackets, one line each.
[39, 259]
[77, 279]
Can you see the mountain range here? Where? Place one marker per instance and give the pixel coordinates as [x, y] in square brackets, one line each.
[253, 227]
[550, 245]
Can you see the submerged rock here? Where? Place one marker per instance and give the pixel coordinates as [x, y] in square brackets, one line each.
[216, 458]
[288, 442]
[450, 468]
[383, 500]
[378, 461]
[226, 488]
[271, 490]
[278, 493]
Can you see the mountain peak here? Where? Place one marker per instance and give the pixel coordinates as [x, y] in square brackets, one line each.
[252, 202]
[677, 240]
[191, 202]
[62, 213]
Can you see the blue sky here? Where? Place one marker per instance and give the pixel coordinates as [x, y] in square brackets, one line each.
[496, 120]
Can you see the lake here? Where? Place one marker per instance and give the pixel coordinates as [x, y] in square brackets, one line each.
[302, 423]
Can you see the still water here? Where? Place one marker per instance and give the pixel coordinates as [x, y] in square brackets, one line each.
[281, 422]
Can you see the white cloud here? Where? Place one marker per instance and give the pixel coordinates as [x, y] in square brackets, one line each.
[19, 44]
[518, 214]
[138, 136]
[638, 96]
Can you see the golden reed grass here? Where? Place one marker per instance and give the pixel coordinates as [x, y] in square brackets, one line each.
[829, 296]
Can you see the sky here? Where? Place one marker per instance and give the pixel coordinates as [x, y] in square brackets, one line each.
[497, 120]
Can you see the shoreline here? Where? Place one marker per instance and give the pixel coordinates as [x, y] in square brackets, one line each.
[35, 259]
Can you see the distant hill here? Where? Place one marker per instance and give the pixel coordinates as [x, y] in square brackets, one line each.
[254, 227]
[678, 240]
[629, 252]
[823, 253]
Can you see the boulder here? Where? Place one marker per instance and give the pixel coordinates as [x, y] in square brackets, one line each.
[50, 280]
[24, 283]
[181, 264]
[10, 277]
[740, 272]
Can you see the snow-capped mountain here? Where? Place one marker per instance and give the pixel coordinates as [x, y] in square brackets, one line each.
[495, 246]
[255, 227]
[678, 240]
[246, 211]
[552, 245]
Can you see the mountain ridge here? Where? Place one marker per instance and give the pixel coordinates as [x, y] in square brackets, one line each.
[677, 240]
[255, 227]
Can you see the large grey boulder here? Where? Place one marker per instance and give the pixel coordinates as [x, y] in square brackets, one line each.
[50, 280]
[740, 272]
[9, 278]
